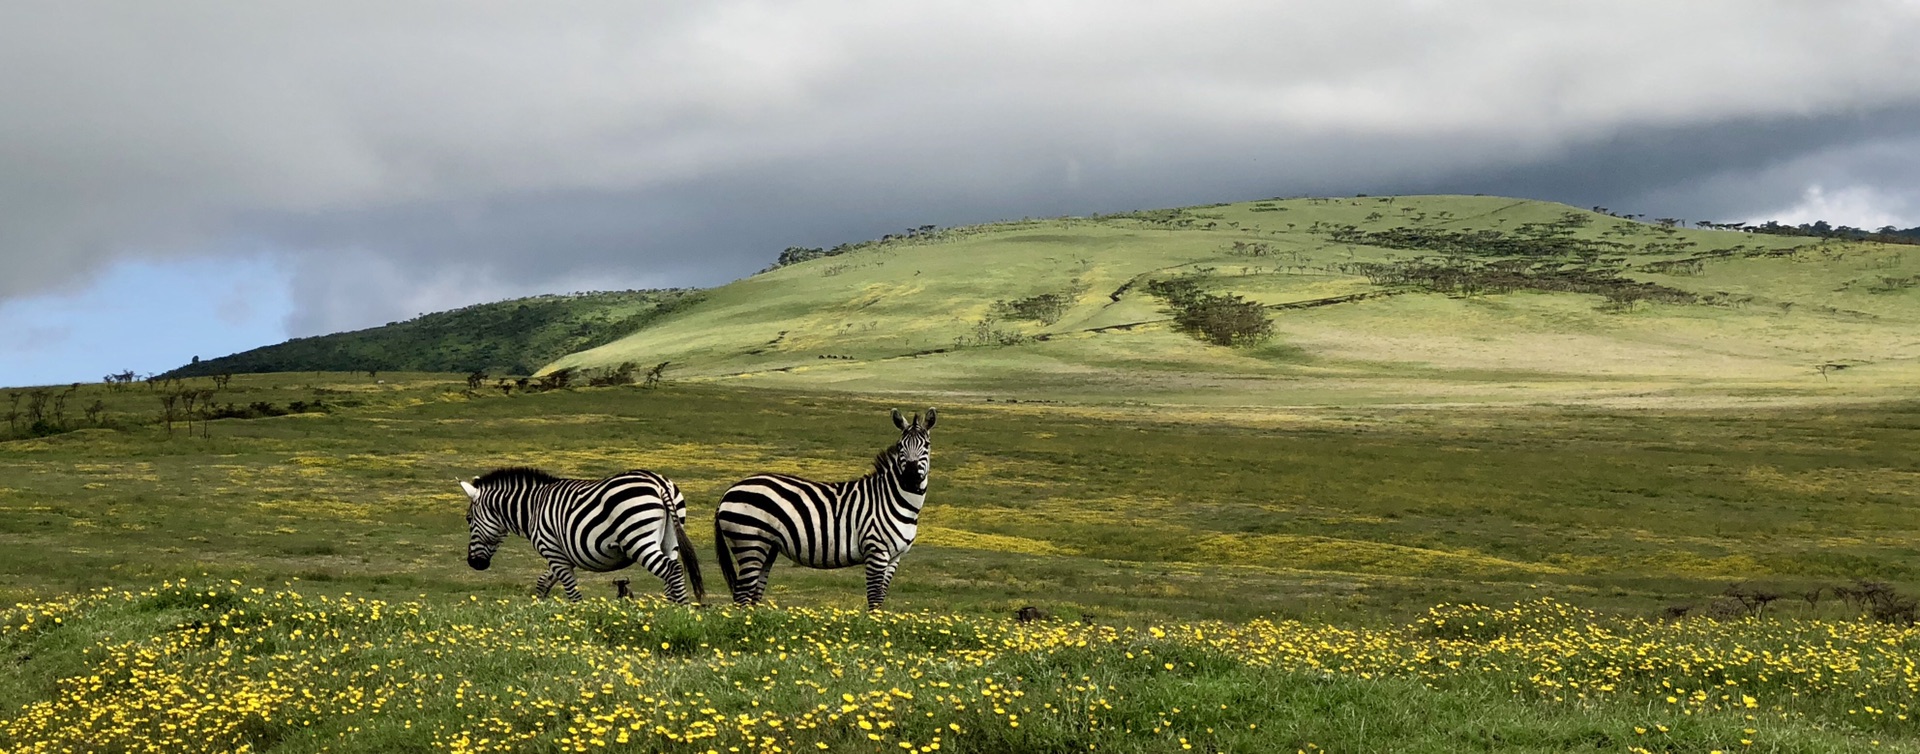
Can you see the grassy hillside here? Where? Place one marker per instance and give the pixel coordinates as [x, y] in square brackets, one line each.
[510, 337]
[1373, 299]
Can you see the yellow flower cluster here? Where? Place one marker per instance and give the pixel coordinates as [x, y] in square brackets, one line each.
[227, 668]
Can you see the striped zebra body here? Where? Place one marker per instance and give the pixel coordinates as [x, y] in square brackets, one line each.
[584, 524]
[868, 521]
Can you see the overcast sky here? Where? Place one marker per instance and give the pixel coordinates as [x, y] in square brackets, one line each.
[184, 178]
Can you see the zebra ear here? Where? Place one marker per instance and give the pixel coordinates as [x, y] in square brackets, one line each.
[930, 418]
[899, 421]
[473, 493]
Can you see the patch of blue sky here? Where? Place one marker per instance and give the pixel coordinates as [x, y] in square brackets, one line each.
[147, 316]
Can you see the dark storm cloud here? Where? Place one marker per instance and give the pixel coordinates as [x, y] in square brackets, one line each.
[404, 158]
[1723, 170]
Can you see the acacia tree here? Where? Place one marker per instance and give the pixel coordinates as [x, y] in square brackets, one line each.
[1227, 320]
[37, 408]
[655, 374]
[167, 404]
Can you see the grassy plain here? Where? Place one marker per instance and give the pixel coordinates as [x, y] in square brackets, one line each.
[1355, 520]
[1120, 511]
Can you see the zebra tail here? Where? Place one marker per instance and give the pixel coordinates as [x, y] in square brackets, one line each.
[690, 561]
[724, 554]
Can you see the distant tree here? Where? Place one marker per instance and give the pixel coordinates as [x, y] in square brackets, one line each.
[1227, 320]
[620, 375]
[168, 405]
[37, 406]
[558, 379]
[119, 380]
[655, 375]
[187, 400]
[60, 405]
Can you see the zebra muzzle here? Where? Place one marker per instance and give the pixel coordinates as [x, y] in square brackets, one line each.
[479, 563]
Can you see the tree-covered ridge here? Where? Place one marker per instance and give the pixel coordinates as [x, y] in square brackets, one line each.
[1823, 229]
[513, 337]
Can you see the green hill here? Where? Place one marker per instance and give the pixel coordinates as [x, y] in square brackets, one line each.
[513, 337]
[1372, 299]
[1411, 299]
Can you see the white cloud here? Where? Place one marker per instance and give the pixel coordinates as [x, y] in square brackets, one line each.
[451, 140]
[1857, 206]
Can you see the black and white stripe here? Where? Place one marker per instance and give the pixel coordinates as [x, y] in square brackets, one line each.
[587, 524]
[871, 520]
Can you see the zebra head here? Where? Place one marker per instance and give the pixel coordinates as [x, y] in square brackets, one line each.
[912, 456]
[484, 527]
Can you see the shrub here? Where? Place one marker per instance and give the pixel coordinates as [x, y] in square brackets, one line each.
[1046, 308]
[620, 375]
[1224, 320]
[1220, 319]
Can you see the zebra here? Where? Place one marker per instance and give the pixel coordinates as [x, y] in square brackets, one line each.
[595, 525]
[870, 520]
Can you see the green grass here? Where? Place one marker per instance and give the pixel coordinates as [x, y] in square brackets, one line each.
[1351, 519]
[217, 667]
[1122, 511]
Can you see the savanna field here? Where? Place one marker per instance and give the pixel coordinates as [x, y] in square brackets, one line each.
[1504, 476]
[1298, 580]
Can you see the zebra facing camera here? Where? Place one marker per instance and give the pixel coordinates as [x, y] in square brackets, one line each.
[904, 425]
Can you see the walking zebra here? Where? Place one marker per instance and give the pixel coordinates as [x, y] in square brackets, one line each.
[870, 520]
[595, 525]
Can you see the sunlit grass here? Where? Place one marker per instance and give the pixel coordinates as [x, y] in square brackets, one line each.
[222, 667]
[1150, 513]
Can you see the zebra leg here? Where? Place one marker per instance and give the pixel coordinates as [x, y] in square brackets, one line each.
[879, 576]
[888, 563]
[755, 562]
[563, 573]
[669, 571]
[543, 585]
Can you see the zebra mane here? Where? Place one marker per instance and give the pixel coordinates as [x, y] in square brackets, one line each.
[515, 474]
[880, 462]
